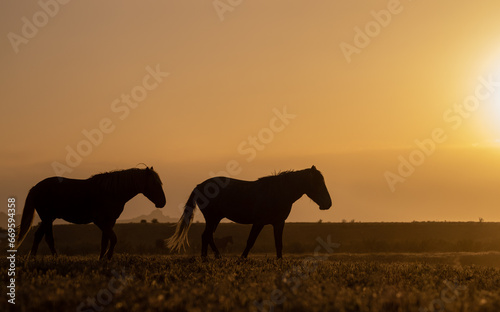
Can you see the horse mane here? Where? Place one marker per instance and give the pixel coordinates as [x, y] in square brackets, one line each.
[277, 174]
[118, 180]
[283, 174]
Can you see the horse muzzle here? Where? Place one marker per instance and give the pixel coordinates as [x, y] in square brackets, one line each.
[325, 207]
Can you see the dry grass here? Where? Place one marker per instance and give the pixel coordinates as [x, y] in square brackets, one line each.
[179, 283]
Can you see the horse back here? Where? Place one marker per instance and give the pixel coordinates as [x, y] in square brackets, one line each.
[57, 189]
[73, 200]
[246, 202]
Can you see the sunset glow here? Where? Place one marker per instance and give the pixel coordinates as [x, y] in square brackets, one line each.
[358, 89]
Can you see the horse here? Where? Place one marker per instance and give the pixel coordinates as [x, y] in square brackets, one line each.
[99, 199]
[267, 200]
[224, 243]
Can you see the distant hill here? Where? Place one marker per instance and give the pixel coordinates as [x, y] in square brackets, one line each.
[155, 214]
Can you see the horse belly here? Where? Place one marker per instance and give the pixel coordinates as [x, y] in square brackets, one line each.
[75, 207]
[77, 213]
[56, 201]
[249, 212]
[241, 219]
[79, 220]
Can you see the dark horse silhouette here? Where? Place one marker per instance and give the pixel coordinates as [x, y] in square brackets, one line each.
[99, 199]
[265, 201]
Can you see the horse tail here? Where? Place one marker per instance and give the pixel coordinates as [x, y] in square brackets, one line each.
[26, 220]
[180, 237]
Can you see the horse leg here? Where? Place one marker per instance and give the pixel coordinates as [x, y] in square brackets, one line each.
[204, 242]
[108, 236]
[38, 238]
[49, 238]
[278, 238]
[211, 240]
[104, 243]
[112, 243]
[208, 238]
[254, 232]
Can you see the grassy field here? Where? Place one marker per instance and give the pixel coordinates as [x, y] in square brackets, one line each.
[326, 267]
[339, 282]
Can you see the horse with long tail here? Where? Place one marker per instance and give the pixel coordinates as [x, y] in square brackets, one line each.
[267, 200]
[99, 199]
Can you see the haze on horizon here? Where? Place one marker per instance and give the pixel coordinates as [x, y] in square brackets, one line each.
[396, 102]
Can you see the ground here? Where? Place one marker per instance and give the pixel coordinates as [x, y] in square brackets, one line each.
[325, 282]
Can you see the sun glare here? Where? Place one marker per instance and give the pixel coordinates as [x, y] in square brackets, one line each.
[492, 111]
[487, 93]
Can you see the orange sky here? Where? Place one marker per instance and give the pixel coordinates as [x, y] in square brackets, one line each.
[230, 69]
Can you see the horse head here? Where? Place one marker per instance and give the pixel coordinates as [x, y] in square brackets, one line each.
[153, 189]
[317, 190]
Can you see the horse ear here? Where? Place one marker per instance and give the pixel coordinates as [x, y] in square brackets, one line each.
[313, 167]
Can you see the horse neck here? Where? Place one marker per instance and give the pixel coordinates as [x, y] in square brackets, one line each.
[294, 185]
[128, 190]
[135, 188]
[128, 194]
